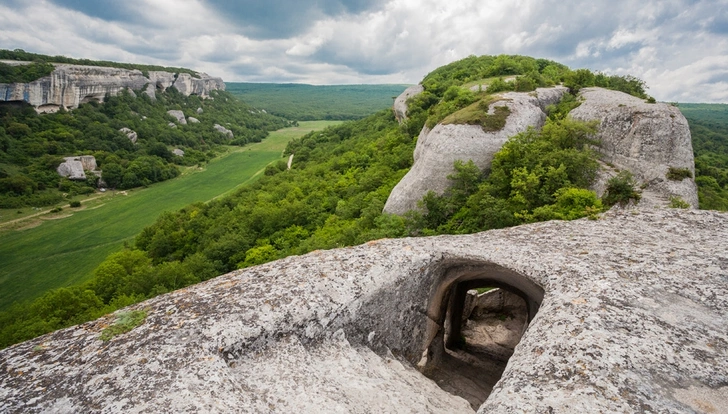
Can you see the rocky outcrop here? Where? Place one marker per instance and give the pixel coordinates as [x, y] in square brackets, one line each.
[400, 103]
[632, 318]
[74, 168]
[71, 85]
[193, 120]
[221, 129]
[438, 149]
[646, 139]
[178, 152]
[178, 115]
[133, 136]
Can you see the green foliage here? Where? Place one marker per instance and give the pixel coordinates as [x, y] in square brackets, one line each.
[35, 144]
[24, 73]
[125, 322]
[677, 202]
[621, 189]
[537, 175]
[38, 59]
[311, 102]
[75, 203]
[678, 174]
[477, 114]
[709, 130]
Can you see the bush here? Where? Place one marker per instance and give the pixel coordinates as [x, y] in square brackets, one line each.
[677, 202]
[621, 189]
[678, 174]
[75, 203]
[56, 209]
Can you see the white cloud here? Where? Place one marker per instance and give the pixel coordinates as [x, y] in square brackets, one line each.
[678, 46]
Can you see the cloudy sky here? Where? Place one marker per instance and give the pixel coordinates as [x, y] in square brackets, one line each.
[679, 47]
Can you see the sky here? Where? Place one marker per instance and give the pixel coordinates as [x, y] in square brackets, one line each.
[678, 47]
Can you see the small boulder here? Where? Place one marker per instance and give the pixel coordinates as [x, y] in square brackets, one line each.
[193, 120]
[199, 110]
[178, 115]
[223, 130]
[172, 125]
[178, 152]
[130, 134]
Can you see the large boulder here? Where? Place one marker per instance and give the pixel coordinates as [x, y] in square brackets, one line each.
[438, 149]
[645, 138]
[221, 129]
[74, 168]
[178, 115]
[632, 318]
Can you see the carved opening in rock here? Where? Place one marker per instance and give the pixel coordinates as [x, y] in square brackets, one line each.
[480, 315]
[92, 98]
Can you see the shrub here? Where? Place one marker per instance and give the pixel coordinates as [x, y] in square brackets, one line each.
[621, 189]
[678, 174]
[56, 209]
[677, 202]
[75, 203]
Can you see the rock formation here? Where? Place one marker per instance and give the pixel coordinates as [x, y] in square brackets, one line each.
[221, 129]
[439, 148]
[400, 103]
[193, 120]
[178, 152]
[646, 139]
[71, 85]
[133, 136]
[626, 314]
[74, 168]
[178, 115]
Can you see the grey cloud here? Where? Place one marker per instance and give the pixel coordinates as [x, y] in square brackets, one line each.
[279, 19]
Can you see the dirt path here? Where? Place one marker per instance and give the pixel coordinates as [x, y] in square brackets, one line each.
[40, 213]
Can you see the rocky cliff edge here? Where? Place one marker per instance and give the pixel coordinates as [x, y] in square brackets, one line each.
[69, 86]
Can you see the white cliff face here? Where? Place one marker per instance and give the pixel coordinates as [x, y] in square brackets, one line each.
[438, 149]
[71, 85]
[646, 139]
[400, 103]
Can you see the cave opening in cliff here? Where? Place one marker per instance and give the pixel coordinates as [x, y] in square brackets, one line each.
[481, 315]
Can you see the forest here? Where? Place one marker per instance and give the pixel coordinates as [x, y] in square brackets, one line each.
[339, 181]
[32, 145]
[302, 102]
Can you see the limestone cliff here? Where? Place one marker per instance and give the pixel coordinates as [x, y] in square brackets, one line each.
[71, 85]
[645, 139]
[627, 314]
[439, 148]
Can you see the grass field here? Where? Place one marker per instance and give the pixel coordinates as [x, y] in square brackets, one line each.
[54, 250]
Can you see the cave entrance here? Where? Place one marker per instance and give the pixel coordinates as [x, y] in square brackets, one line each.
[480, 315]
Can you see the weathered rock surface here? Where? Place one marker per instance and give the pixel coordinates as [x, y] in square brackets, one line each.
[646, 139]
[178, 152]
[193, 120]
[221, 129]
[400, 103]
[633, 319]
[178, 115]
[438, 149]
[133, 136]
[74, 168]
[71, 85]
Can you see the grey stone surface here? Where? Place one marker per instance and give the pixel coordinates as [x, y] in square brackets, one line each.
[70, 85]
[178, 115]
[633, 319]
[221, 129]
[400, 103]
[133, 136]
[438, 149]
[193, 120]
[178, 152]
[646, 139]
[74, 168]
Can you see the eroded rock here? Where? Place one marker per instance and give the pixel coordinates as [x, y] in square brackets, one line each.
[632, 319]
[400, 103]
[178, 115]
[438, 149]
[74, 168]
[221, 129]
[646, 139]
[129, 134]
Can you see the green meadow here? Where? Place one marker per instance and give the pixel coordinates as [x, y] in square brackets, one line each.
[62, 249]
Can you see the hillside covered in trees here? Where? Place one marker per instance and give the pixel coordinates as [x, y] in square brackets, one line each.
[33, 145]
[334, 194]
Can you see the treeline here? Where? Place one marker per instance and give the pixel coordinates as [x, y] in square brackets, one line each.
[24, 73]
[709, 130]
[302, 102]
[32, 145]
[38, 59]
